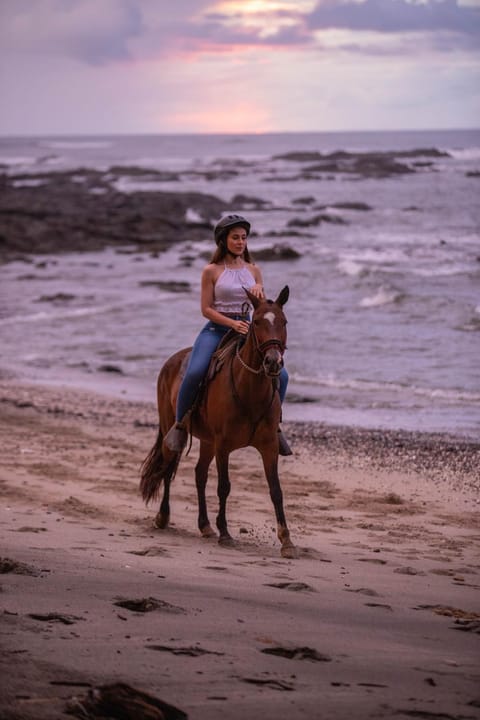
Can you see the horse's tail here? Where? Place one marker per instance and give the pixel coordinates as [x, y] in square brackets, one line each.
[155, 469]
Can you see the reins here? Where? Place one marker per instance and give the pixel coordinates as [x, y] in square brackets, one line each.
[244, 364]
[261, 349]
[241, 404]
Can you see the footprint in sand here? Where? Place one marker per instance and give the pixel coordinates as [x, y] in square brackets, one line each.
[297, 653]
[7, 565]
[363, 591]
[192, 651]
[294, 586]
[150, 604]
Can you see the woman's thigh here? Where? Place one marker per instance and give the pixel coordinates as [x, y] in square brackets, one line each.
[203, 349]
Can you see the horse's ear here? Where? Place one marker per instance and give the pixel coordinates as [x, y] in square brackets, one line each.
[253, 299]
[283, 296]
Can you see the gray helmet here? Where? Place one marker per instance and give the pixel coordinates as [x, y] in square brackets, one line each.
[229, 221]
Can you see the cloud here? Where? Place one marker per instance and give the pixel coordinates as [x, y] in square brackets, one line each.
[396, 16]
[94, 33]
[112, 31]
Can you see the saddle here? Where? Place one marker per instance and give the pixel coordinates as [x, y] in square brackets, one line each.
[225, 348]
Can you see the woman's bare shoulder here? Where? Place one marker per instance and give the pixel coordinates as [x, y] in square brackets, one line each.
[211, 271]
[255, 270]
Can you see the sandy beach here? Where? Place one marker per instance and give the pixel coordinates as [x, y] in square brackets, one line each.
[378, 617]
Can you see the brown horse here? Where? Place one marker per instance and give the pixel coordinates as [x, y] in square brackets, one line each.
[240, 407]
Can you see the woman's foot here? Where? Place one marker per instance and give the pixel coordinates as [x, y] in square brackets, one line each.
[283, 446]
[176, 437]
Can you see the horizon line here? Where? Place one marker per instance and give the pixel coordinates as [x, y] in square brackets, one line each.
[233, 134]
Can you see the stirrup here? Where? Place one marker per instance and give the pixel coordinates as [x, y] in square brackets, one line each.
[176, 437]
[283, 446]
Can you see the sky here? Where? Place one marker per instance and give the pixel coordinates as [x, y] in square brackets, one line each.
[237, 66]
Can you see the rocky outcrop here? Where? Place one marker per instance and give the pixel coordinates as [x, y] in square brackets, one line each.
[80, 211]
[370, 164]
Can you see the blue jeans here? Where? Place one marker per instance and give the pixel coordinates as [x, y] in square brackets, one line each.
[202, 351]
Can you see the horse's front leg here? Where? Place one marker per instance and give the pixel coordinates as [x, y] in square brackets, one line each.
[223, 490]
[270, 464]
[201, 475]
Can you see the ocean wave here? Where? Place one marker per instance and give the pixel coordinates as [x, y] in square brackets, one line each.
[76, 144]
[45, 315]
[19, 160]
[471, 153]
[352, 268]
[444, 270]
[28, 183]
[383, 296]
[367, 386]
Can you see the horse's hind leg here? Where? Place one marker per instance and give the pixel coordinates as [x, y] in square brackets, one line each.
[201, 476]
[270, 463]
[223, 493]
[162, 518]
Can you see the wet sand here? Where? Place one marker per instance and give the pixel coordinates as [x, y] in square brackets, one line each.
[379, 616]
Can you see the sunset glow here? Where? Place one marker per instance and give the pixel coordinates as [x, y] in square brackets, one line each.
[238, 65]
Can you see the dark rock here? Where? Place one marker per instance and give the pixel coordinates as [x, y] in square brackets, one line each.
[111, 369]
[134, 171]
[57, 298]
[277, 252]
[370, 164]
[289, 233]
[316, 220]
[308, 200]
[63, 215]
[244, 201]
[170, 285]
[352, 206]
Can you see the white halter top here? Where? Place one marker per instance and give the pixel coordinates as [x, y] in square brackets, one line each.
[229, 295]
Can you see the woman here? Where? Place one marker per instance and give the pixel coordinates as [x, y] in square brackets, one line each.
[225, 305]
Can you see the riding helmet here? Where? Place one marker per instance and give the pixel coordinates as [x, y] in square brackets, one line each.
[228, 221]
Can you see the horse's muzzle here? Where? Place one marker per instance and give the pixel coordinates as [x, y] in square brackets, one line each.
[273, 362]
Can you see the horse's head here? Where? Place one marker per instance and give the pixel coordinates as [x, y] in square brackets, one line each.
[269, 330]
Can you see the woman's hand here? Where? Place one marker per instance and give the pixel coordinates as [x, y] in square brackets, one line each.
[257, 290]
[240, 326]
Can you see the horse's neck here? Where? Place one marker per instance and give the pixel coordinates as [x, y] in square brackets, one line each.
[250, 354]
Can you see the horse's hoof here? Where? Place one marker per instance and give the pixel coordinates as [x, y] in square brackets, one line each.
[289, 552]
[161, 521]
[208, 532]
[226, 541]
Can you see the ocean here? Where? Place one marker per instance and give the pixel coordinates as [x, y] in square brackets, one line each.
[384, 308]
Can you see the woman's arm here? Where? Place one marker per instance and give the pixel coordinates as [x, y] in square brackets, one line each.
[258, 290]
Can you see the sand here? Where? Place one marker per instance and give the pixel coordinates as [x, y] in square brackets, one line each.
[378, 617]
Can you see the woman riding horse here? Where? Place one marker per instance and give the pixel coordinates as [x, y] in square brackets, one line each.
[225, 305]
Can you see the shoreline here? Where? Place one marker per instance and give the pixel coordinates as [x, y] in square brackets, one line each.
[378, 615]
[459, 451]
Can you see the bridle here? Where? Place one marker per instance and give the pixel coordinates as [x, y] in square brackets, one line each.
[261, 348]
